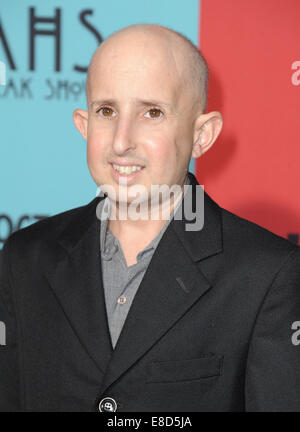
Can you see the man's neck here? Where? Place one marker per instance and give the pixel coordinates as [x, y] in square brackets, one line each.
[148, 228]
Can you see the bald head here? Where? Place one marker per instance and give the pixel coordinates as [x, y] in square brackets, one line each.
[146, 95]
[162, 44]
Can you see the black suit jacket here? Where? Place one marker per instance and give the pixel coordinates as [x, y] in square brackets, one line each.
[209, 328]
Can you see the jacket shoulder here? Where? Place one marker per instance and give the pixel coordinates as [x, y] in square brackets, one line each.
[47, 230]
[247, 237]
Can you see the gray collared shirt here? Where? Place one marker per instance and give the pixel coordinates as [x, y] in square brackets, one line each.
[121, 282]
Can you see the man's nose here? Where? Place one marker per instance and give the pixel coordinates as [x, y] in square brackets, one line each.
[123, 139]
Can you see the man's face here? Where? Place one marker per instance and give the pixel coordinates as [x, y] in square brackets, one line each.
[139, 114]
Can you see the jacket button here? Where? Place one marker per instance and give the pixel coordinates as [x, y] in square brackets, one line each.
[108, 404]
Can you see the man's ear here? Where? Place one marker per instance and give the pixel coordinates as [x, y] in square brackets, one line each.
[206, 131]
[80, 119]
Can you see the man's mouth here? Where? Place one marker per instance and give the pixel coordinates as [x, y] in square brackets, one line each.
[127, 169]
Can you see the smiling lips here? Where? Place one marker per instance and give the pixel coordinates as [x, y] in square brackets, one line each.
[127, 169]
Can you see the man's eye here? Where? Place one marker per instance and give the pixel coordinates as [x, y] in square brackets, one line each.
[154, 113]
[106, 112]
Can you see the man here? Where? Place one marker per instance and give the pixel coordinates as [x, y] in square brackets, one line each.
[110, 314]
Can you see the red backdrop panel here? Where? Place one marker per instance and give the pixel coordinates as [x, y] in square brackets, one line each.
[253, 169]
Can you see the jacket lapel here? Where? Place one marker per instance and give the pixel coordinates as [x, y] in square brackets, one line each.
[171, 285]
[77, 283]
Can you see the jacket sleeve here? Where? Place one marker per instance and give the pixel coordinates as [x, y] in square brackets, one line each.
[273, 364]
[9, 368]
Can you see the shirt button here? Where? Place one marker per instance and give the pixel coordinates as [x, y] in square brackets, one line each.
[108, 404]
[122, 299]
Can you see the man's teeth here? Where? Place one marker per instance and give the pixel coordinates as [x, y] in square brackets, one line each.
[127, 169]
